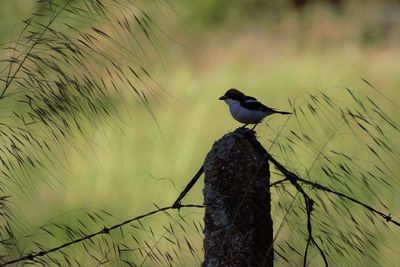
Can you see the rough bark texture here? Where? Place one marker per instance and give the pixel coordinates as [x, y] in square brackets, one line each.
[238, 224]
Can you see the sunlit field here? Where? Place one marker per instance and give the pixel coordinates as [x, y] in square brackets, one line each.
[128, 162]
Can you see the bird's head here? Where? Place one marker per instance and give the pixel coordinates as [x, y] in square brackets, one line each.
[233, 94]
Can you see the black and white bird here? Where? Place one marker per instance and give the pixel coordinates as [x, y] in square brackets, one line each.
[247, 109]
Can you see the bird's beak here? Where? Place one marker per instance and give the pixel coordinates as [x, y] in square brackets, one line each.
[222, 97]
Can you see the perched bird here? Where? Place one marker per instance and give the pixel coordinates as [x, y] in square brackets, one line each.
[247, 109]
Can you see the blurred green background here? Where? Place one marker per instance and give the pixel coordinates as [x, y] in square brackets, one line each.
[273, 50]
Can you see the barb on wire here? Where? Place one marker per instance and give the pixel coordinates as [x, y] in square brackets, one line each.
[318, 186]
[106, 230]
[278, 182]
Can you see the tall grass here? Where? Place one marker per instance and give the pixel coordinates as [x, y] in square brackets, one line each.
[124, 164]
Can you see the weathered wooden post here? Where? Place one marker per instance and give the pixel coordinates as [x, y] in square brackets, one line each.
[238, 224]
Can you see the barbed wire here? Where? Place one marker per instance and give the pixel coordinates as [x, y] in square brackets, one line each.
[293, 178]
[106, 230]
[309, 202]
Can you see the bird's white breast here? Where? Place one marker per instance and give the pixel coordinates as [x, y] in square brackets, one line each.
[244, 115]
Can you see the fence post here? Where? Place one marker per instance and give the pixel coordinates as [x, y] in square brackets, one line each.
[238, 224]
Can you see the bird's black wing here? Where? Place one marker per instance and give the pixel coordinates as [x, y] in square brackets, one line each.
[253, 104]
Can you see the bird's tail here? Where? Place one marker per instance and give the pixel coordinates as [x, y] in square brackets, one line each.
[283, 112]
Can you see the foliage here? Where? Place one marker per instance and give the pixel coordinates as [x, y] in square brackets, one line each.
[314, 149]
[77, 63]
[61, 76]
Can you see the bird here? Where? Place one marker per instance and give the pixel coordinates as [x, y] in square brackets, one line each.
[247, 109]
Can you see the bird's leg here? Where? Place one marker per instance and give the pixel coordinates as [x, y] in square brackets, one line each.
[254, 126]
[244, 126]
